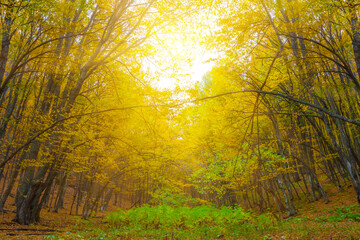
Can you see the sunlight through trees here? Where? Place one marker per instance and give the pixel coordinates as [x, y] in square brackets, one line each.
[125, 103]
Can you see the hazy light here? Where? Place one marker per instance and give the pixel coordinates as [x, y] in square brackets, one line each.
[180, 59]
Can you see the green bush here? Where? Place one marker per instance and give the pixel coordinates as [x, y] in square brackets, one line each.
[188, 223]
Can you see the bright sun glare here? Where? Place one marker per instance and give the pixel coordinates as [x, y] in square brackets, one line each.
[181, 58]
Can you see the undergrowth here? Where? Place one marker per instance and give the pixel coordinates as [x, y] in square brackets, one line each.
[208, 222]
[179, 222]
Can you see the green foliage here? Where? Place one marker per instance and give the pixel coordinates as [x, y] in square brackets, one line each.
[189, 223]
[345, 213]
[349, 213]
[208, 222]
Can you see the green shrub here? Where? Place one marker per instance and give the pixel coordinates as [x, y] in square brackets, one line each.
[189, 223]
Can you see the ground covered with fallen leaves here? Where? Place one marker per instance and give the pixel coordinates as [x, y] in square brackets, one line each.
[338, 219]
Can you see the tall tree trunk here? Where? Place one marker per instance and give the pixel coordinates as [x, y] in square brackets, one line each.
[5, 42]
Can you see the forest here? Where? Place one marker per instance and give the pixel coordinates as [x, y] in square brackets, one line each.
[169, 119]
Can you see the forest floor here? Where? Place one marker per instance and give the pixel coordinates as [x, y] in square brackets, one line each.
[315, 220]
